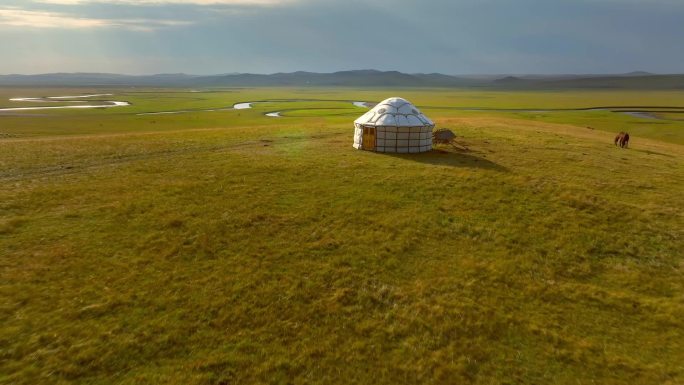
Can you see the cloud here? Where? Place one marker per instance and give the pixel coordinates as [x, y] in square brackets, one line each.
[450, 36]
[121, 14]
[13, 17]
[39, 19]
[167, 2]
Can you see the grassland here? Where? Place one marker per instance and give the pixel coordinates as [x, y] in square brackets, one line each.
[228, 247]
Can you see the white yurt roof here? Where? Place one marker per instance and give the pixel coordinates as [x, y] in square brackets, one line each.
[394, 112]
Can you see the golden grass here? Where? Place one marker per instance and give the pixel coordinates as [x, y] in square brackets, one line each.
[273, 252]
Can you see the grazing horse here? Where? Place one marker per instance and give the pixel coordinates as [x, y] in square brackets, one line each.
[622, 139]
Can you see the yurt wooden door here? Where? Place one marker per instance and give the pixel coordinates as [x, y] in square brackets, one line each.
[369, 138]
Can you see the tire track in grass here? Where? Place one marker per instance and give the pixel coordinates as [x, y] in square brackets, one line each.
[66, 169]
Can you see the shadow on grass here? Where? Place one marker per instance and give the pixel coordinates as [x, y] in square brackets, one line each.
[649, 152]
[452, 158]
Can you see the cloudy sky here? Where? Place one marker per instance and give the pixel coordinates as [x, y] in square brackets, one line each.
[265, 36]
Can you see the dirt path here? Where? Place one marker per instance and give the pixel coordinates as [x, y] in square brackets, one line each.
[117, 159]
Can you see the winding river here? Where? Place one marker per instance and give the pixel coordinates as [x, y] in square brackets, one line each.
[66, 99]
[278, 114]
[242, 106]
[86, 102]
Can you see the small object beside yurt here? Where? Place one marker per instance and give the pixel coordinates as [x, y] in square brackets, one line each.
[446, 136]
[394, 125]
[443, 136]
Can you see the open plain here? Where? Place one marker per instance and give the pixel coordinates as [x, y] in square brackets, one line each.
[178, 240]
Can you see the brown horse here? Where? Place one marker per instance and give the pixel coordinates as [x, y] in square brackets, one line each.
[622, 139]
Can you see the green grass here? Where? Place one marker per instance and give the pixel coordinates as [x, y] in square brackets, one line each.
[436, 102]
[228, 247]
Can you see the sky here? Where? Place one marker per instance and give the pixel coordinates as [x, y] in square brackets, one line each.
[267, 36]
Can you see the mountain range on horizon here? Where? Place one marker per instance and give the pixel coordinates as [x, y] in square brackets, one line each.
[355, 78]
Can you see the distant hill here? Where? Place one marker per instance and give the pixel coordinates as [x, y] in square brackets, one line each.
[359, 78]
[94, 79]
[649, 82]
[638, 73]
[508, 80]
[356, 78]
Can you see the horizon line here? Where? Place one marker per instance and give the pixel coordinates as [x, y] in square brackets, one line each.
[645, 73]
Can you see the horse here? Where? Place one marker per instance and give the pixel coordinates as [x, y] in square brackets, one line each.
[622, 139]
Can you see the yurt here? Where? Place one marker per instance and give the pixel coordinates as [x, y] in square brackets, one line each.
[394, 125]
